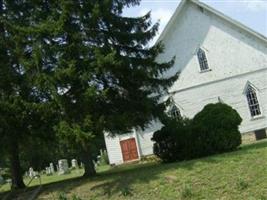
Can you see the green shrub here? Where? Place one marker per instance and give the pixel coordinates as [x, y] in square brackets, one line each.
[172, 141]
[213, 130]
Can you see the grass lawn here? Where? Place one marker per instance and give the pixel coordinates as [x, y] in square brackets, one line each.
[55, 178]
[46, 179]
[237, 175]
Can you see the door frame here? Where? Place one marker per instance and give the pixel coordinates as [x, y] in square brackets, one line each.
[137, 149]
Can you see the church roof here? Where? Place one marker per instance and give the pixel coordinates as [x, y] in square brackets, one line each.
[213, 11]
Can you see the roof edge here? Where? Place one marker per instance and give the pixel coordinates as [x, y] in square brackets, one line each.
[229, 19]
[171, 21]
[215, 12]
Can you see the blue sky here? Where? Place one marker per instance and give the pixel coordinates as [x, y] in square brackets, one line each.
[252, 13]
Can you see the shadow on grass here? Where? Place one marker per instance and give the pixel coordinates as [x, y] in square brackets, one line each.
[23, 194]
[128, 175]
[119, 180]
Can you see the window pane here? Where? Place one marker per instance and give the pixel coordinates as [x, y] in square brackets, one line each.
[174, 112]
[202, 59]
[253, 102]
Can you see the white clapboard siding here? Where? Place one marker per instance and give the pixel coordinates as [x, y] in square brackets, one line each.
[229, 50]
[144, 138]
[230, 92]
[113, 149]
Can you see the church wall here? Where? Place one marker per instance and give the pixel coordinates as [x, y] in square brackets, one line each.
[231, 92]
[230, 51]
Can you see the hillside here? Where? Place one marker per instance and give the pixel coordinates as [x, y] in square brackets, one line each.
[237, 175]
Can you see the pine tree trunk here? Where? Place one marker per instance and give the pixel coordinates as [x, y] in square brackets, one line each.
[89, 167]
[17, 179]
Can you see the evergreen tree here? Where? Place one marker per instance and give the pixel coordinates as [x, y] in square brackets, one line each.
[26, 109]
[94, 63]
[107, 75]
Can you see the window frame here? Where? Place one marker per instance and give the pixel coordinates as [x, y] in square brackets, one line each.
[202, 60]
[257, 102]
[170, 105]
[175, 112]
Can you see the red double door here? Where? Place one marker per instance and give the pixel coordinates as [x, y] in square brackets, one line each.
[129, 149]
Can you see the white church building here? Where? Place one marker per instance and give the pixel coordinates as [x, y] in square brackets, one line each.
[219, 60]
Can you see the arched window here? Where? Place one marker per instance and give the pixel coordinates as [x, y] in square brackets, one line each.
[253, 102]
[174, 112]
[202, 59]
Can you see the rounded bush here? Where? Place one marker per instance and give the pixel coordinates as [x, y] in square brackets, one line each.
[213, 130]
[172, 140]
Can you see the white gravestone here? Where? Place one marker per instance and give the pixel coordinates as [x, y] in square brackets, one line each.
[48, 171]
[52, 169]
[74, 163]
[31, 172]
[63, 167]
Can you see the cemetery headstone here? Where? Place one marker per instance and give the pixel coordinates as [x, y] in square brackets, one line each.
[36, 174]
[74, 163]
[48, 171]
[52, 169]
[31, 172]
[63, 167]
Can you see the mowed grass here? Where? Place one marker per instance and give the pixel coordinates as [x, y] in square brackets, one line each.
[46, 179]
[52, 179]
[241, 174]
